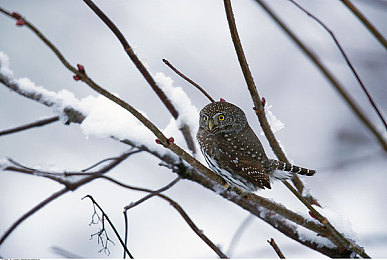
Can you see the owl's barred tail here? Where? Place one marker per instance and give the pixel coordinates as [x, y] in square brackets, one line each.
[292, 168]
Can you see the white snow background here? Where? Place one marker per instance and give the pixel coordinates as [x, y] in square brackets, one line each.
[318, 129]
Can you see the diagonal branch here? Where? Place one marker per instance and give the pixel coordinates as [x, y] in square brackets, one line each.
[372, 102]
[366, 23]
[30, 125]
[329, 76]
[188, 80]
[69, 187]
[134, 204]
[276, 248]
[29, 213]
[144, 72]
[111, 225]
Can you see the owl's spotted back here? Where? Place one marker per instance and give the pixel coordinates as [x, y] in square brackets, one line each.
[232, 149]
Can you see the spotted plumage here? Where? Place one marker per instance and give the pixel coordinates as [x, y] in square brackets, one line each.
[233, 151]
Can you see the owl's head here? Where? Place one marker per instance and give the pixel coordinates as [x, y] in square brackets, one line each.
[222, 117]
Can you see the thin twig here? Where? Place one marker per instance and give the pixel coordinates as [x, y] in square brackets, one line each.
[324, 70]
[337, 238]
[111, 225]
[276, 248]
[69, 187]
[147, 76]
[373, 104]
[178, 208]
[30, 125]
[365, 21]
[126, 230]
[134, 204]
[188, 80]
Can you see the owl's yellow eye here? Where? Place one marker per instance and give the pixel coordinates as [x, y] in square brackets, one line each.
[221, 117]
[204, 118]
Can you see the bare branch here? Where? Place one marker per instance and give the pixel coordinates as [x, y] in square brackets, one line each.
[276, 248]
[134, 204]
[111, 224]
[188, 79]
[30, 125]
[366, 23]
[147, 76]
[69, 187]
[373, 104]
[31, 212]
[178, 208]
[324, 70]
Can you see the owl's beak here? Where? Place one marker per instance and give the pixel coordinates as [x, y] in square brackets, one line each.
[211, 125]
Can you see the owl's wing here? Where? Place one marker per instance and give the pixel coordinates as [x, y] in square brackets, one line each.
[248, 169]
[254, 172]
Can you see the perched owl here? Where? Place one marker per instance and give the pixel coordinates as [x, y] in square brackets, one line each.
[233, 151]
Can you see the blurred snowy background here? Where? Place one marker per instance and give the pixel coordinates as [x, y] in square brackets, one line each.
[320, 130]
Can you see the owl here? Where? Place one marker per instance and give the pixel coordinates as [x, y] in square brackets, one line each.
[233, 151]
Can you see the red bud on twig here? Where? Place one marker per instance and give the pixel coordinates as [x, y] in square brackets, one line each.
[20, 22]
[222, 100]
[16, 15]
[171, 140]
[81, 68]
[76, 77]
[263, 101]
[312, 215]
[158, 141]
